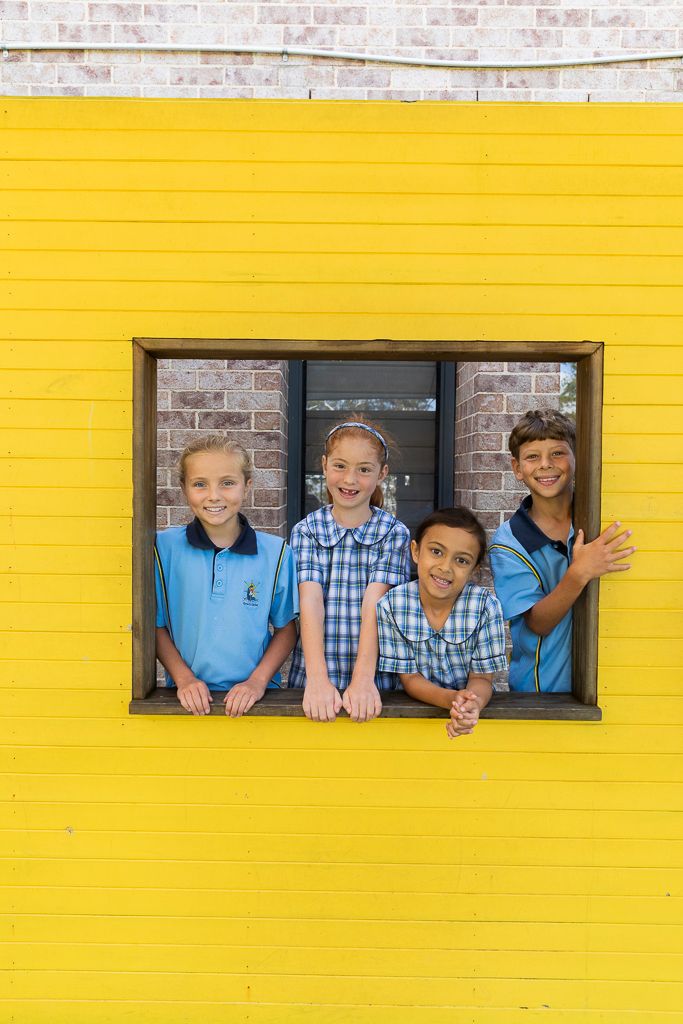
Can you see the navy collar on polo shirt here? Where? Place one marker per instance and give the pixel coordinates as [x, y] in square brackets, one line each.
[244, 545]
[529, 535]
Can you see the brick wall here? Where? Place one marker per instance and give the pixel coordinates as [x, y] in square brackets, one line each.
[246, 399]
[490, 398]
[494, 30]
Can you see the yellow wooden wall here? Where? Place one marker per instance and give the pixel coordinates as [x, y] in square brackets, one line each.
[204, 871]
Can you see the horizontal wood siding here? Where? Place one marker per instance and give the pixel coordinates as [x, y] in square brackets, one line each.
[170, 870]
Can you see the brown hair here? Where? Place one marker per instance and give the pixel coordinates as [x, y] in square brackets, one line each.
[217, 443]
[358, 432]
[542, 425]
[457, 518]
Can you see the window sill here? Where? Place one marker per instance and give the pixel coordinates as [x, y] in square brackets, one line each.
[287, 704]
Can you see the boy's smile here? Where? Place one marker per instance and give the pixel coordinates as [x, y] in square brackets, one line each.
[546, 467]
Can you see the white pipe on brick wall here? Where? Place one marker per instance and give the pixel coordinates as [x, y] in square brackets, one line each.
[370, 58]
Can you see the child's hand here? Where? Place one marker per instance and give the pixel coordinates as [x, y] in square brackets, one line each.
[602, 555]
[464, 714]
[361, 699]
[242, 697]
[195, 696]
[322, 702]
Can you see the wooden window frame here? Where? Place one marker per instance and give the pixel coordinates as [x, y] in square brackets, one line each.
[580, 704]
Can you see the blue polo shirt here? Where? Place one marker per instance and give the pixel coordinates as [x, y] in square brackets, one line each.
[217, 603]
[527, 566]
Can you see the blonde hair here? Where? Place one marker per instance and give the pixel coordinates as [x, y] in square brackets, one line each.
[362, 429]
[217, 443]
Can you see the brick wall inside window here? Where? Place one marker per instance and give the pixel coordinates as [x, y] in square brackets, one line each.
[490, 398]
[244, 398]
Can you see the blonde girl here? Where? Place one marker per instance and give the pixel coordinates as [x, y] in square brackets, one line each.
[221, 587]
[348, 554]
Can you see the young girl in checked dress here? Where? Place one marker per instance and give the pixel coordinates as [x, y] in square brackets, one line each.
[442, 633]
[348, 554]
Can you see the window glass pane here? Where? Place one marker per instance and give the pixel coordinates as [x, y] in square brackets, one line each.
[401, 397]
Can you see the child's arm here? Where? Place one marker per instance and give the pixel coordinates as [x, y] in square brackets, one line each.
[464, 705]
[193, 693]
[321, 702]
[467, 704]
[361, 698]
[589, 561]
[420, 688]
[242, 697]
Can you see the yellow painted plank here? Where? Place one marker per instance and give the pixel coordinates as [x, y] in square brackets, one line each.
[348, 268]
[633, 359]
[649, 624]
[216, 900]
[146, 937]
[582, 828]
[651, 477]
[225, 115]
[636, 448]
[75, 444]
[513, 852]
[99, 675]
[80, 617]
[632, 652]
[109, 646]
[340, 207]
[627, 506]
[623, 592]
[325, 176]
[628, 681]
[661, 800]
[88, 559]
[71, 415]
[75, 355]
[652, 538]
[595, 939]
[558, 239]
[432, 146]
[393, 876]
[64, 501]
[224, 756]
[624, 709]
[274, 733]
[641, 419]
[280, 959]
[50, 472]
[83, 532]
[317, 297]
[221, 1012]
[616, 328]
[340, 992]
[58, 384]
[100, 589]
[644, 390]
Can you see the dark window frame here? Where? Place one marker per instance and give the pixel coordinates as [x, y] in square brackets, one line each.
[580, 704]
[296, 439]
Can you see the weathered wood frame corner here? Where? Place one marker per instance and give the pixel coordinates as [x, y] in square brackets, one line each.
[589, 358]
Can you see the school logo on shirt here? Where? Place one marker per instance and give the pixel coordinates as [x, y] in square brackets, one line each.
[250, 598]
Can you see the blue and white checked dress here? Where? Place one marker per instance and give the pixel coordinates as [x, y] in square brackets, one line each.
[344, 561]
[471, 640]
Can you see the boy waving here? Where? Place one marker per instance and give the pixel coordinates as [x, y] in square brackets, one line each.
[539, 565]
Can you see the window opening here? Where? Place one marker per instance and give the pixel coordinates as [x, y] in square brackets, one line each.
[215, 386]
